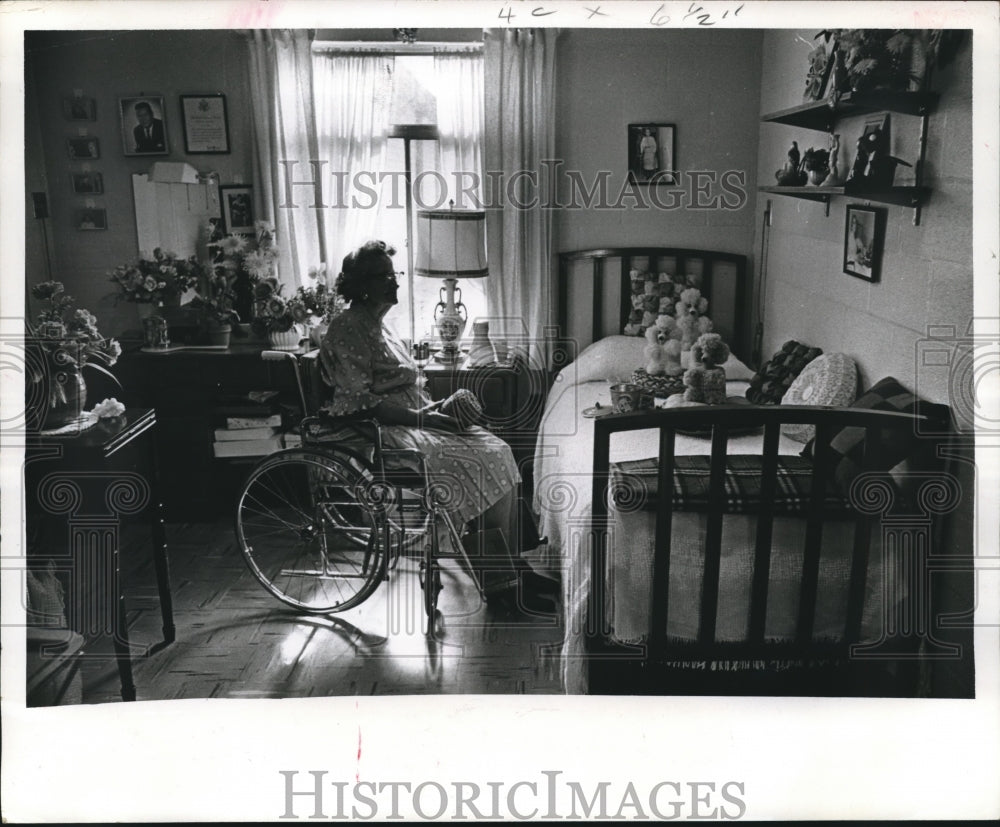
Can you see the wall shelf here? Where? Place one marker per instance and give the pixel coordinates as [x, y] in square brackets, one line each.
[909, 196]
[823, 115]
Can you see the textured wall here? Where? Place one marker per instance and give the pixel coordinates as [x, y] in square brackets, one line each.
[704, 82]
[108, 66]
[926, 270]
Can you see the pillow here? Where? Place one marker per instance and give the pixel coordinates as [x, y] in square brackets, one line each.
[612, 358]
[827, 380]
[775, 377]
[465, 406]
[895, 447]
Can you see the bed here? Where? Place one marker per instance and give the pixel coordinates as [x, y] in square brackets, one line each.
[783, 576]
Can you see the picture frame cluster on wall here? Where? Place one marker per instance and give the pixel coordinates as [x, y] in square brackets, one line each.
[203, 117]
[651, 153]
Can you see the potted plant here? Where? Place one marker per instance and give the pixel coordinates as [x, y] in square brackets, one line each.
[281, 320]
[215, 300]
[62, 341]
[321, 301]
[816, 163]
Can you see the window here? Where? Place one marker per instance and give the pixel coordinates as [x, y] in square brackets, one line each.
[423, 114]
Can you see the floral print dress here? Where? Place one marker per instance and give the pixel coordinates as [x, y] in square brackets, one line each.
[365, 364]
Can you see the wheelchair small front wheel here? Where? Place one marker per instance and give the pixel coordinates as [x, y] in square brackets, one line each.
[310, 532]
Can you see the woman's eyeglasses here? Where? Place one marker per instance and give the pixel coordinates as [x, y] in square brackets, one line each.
[392, 276]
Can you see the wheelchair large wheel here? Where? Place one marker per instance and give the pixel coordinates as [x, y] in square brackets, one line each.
[311, 530]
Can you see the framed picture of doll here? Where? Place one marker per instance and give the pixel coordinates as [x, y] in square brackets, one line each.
[864, 237]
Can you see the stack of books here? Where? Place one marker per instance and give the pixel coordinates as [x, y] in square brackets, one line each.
[250, 425]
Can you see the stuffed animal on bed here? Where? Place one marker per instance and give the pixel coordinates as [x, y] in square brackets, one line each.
[705, 380]
[690, 319]
[663, 349]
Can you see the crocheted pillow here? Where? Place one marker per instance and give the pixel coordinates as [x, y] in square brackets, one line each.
[827, 380]
[775, 377]
[651, 295]
[894, 448]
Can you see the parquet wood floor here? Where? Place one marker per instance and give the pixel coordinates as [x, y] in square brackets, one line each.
[234, 640]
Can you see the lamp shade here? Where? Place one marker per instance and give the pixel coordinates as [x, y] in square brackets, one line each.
[451, 244]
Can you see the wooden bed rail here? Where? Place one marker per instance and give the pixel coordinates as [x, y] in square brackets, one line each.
[872, 497]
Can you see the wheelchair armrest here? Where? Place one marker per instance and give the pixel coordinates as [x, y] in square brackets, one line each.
[313, 428]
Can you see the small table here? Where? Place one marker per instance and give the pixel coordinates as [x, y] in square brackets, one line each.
[91, 479]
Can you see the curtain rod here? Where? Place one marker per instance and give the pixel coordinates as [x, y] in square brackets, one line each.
[374, 47]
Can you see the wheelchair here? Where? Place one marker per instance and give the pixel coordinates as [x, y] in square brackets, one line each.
[322, 525]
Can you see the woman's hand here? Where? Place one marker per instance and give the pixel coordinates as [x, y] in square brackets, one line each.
[437, 421]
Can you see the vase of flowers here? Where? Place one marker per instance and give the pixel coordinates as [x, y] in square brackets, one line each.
[281, 320]
[247, 259]
[63, 340]
[154, 285]
[321, 301]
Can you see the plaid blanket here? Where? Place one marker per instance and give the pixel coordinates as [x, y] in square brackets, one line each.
[634, 485]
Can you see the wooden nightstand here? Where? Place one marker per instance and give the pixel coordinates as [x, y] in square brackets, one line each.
[513, 397]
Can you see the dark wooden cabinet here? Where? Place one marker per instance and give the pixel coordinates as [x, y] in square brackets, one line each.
[513, 397]
[184, 387]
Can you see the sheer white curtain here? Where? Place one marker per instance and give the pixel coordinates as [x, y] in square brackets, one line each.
[458, 80]
[281, 109]
[353, 93]
[520, 133]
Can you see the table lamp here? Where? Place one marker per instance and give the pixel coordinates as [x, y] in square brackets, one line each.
[451, 245]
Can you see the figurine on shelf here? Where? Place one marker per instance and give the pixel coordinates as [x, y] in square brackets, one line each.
[789, 175]
[835, 178]
[815, 163]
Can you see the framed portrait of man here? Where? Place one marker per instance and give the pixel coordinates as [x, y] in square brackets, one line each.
[144, 125]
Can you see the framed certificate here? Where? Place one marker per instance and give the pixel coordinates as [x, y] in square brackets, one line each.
[206, 130]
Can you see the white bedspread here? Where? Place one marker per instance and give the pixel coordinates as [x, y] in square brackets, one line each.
[563, 471]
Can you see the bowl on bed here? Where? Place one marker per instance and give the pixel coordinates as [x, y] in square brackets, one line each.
[659, 387]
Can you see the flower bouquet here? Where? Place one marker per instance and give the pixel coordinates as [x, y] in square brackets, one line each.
[62, 341]
[278, 318]
[321, 301]
[247, 260]
[160, 281]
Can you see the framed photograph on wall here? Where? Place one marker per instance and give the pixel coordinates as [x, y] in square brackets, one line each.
[92, 218]
[864, 237]
[83, 149]
[88, 183]
[80, 109]
[143, 125]
[206, 129]
[651, 158]
[237, 209]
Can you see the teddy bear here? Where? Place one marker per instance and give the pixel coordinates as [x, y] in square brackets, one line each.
[690, 321]
[663, 351]
[705, 380]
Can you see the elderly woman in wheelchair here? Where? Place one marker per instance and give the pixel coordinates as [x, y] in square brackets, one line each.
[383, 435]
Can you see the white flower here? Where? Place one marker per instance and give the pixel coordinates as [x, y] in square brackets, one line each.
[109, 408]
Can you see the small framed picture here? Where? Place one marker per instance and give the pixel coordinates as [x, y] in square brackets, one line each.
[88, 183]
[651, 157]
[80, 109]
[143, 125]
[237, 209]
[206, 129]
[92, 218]
[864, 237]
[83, 149]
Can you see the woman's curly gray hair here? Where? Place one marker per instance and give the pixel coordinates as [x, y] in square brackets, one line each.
[358, 268]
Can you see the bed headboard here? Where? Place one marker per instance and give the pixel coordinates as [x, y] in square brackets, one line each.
[593, 298]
